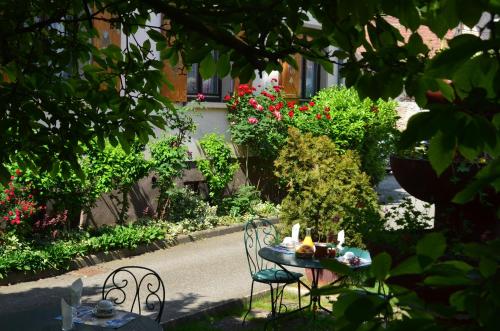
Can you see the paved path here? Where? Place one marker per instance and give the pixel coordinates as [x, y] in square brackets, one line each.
[196, 275]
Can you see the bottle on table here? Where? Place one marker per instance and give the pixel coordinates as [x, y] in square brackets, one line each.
[308, 240]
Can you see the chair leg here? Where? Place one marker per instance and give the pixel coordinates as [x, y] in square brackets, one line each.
[300, 306]
[249, 305]
[273, 304]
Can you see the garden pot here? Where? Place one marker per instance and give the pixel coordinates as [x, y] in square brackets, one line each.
[475, 220]
[325, 276]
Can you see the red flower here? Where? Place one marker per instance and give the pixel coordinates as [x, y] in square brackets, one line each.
[291, 113]
[303, 108]
[327, 109]
[260, 108]
[276, 88]
[18, 172]
[279, 105]
[311, 104]
[227, 97]
[290, 104]
[272, 108]
[11, 213]
[318, 116]
[328, 116]
[241, 93]
[12, 177]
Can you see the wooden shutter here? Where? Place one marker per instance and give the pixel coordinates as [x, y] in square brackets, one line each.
[177, 76]
[107, 33]
[290, 79]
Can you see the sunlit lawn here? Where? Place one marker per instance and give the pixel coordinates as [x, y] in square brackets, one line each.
[231, 319]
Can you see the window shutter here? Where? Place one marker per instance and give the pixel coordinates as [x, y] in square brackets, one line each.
[107, 33]
[290, 79]
[177, 76]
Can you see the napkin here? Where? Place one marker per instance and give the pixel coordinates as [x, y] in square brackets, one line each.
[340, 239]
[76, 293]
[67, 315]
[295, 232]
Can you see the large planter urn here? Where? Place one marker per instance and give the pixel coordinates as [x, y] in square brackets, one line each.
[475, 220]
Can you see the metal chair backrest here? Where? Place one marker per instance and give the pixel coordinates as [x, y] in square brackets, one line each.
[139, 283]
[259, 233]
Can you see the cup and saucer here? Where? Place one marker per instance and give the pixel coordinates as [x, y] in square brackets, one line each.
[104, 308]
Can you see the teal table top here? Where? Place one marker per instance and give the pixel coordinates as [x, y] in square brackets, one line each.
[279, 256]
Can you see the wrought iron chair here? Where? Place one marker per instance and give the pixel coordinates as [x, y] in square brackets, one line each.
[137, 282]
[260, 233]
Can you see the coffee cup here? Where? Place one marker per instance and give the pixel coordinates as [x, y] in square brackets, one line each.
[105, 307]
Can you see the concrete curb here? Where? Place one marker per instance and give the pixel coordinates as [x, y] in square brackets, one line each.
[209, 311]
[93, 259]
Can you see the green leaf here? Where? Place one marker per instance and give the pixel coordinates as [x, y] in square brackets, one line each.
[441, 152]
[223, 65]
[336, 266]
[381, 265]
[487, 267]
[446, 89]
[447, 281]
[156, 35]
[207, 66]
[457, 300]
[407, 267]
[432, 245]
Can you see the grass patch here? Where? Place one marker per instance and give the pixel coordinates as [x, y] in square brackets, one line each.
[231, 319]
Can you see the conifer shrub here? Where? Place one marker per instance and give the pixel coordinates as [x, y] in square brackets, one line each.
[327, 191]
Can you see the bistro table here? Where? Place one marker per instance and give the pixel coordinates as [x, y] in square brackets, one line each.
[282, 257]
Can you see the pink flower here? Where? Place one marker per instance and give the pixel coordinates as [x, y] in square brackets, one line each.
[252, 102]
[200, 97]
[278, 115]
[252, 120]
[260, 108]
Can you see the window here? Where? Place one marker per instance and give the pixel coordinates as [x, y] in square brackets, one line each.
[210, 87]
[310, 79]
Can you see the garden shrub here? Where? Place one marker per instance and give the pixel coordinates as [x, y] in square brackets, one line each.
[258, 121]
[241, 202]
[182, 203]
[218, 166]
[326, 189]
[368, 127]
[114, 168]
[169, 159]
